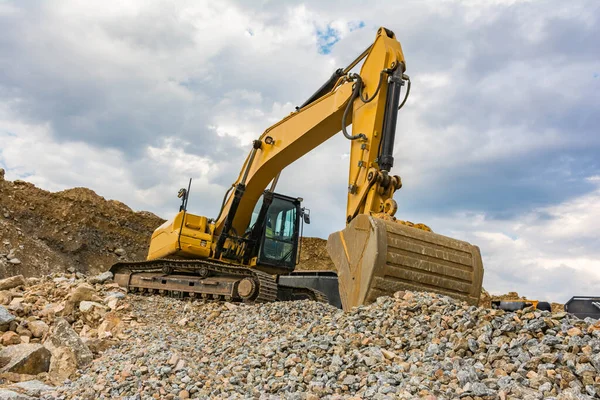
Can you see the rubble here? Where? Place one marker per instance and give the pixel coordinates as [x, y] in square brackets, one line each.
[414, 345]
[32, 388]
[46, 334]
[10, 395]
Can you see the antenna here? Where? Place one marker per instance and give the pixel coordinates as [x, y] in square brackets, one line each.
[187, 195]
[184, 195]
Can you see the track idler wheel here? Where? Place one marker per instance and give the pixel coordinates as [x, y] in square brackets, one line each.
[203, 272]
[247, 288]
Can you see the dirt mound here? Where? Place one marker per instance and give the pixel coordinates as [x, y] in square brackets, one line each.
[75, 229]
[314, 256]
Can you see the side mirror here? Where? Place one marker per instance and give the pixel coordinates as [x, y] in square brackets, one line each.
[306, 215]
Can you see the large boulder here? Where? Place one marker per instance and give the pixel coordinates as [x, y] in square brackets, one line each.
[64, 336]
[12, 282]
[29, 359]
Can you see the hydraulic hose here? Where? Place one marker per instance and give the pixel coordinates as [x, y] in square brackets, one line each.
[224, 200]
[355, 94]
[384, 71]
[406, 78]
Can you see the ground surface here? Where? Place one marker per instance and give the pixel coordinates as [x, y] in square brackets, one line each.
[411, 346]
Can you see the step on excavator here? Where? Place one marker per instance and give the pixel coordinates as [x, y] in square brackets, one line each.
[249, 252]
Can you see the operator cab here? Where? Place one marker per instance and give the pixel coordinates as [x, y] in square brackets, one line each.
[276, 225]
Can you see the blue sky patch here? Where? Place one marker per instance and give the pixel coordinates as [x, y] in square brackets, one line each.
[326, 39]
[329, 36]
[355, 25]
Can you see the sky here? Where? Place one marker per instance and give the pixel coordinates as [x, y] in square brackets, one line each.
[498, 143]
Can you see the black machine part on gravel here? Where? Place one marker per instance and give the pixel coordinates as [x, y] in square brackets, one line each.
[584, 307]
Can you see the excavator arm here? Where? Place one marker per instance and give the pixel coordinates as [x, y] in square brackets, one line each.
[357, 99]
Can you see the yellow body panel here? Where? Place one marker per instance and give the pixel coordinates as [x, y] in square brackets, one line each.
[195, 240]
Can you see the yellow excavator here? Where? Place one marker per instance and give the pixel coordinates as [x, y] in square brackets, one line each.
[246, 252]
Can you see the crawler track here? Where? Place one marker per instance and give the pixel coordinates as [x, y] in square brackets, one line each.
[207, 279]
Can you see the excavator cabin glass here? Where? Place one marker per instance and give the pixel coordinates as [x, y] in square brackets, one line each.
[279, 242]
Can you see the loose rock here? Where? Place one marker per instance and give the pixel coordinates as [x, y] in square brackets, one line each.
[29, 359]
[64, 336]
[5, 317]
[12, 282]
[101, 278]
[414, 345]
[33, 387]
[10, 395]
[38, 328]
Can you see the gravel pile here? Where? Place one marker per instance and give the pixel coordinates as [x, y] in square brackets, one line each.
[53, 326]
[415, 345]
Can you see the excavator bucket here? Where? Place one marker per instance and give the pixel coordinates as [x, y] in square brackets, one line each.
[377, 258]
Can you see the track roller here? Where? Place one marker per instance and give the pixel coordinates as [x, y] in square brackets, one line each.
[247, 288]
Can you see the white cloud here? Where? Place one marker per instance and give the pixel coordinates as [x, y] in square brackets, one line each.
[30, 151]
[548, 253]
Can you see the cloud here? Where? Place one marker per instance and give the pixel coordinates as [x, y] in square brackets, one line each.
[548, 252]
[148, 183]
[133, 99]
